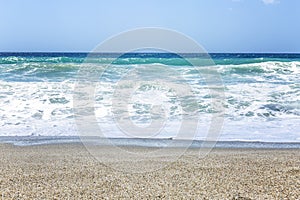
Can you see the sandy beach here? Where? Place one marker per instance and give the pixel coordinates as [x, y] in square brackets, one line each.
[68, 171]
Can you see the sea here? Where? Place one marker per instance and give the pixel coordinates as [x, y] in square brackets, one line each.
[261, 105]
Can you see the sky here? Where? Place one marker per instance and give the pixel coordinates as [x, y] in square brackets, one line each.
[217, 25]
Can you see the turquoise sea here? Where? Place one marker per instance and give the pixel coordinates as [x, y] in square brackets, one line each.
[262, 94]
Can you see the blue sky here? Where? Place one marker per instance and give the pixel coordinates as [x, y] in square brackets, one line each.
[218, 25]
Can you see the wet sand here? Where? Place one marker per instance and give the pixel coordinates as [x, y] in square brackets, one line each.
[69, 171]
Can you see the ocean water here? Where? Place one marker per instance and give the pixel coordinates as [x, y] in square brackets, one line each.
[262, 94]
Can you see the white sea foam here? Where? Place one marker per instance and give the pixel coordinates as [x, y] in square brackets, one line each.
[262, 104]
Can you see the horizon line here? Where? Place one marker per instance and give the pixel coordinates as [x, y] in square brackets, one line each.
[87, 52]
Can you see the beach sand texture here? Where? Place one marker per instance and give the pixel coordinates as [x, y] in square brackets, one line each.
[68, 171]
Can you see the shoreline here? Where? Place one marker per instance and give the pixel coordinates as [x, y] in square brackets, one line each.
[69, 171]
[144, 142]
